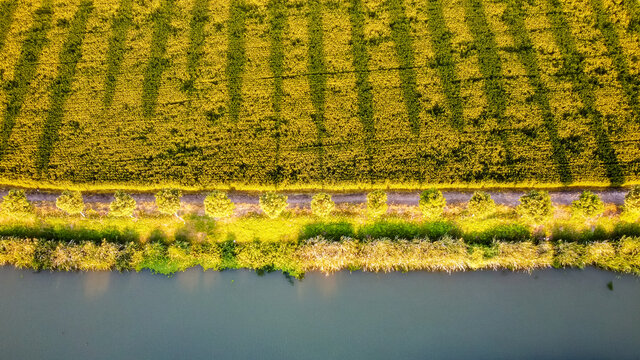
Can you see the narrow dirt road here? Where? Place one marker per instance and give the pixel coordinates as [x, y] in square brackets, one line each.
[505, 197]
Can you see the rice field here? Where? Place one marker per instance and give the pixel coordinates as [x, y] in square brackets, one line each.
[334, 94]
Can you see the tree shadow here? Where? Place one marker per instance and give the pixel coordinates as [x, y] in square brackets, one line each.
[491, 69]
[401, 35]
[444, 62]
[236, 57]
[514, 16]
[115, 53]
[199, 18]
[25, 70]
[363, 85]
[152, 77]
[630, 84]
[61, 87]
[317, 77]
[7, 10]
[574, 70]
[277, 27]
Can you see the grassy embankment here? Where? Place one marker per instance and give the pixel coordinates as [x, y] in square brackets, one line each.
[299, 242]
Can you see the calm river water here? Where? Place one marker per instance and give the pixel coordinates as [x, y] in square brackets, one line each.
[551, 314]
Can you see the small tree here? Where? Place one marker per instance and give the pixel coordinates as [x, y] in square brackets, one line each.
[432, 203]
[632, 203]
[122, 205]
[15, 204]
[588, 205]
[273, 204]
[481, 204]
[218, 205]
[322, 205]
[377, 203]
[71, 202]
[168, 202]
[535, 206]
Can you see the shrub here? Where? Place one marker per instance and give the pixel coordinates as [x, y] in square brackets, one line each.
[535, 206]
[432, 203]
[218, 205]
[71, 202]
[481, 204]
[322, 205]
[168, 201]
[377, 203]
[273, 204]
[15, 204]
[122, 205]
[632, 202]
[588, 205]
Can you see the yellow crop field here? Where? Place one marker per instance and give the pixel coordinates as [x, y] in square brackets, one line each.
[305, 94]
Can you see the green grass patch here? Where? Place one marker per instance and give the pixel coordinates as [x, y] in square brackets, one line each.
[333, 231]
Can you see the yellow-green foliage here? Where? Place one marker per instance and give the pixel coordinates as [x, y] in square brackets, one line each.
[535, 206]
[15, 204]
[322, 205]
[432, 203]
[344, 94]
[632, 203]
[71, 202]
[168, 201]
[481, 204]
[122, 205]
[17, 252]
[588, 205]
[273, 204]
[218, 205]
[377, 203]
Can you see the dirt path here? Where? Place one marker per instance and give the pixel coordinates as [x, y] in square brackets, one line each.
[506, 197]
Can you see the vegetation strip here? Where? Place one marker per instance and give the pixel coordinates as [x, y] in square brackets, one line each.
[25, 70]
[116, 51]
[363, 85]
[317, 77]
[443, 61]
[318, 254]
[199, 18]
[514, 18]
[277, 23]
[401, 34]
[629, 83]
[157, 58]
[573, 69]
[236, 58]
[7, 9]
[61, 88]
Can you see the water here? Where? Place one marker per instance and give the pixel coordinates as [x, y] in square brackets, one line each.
[552, 314]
